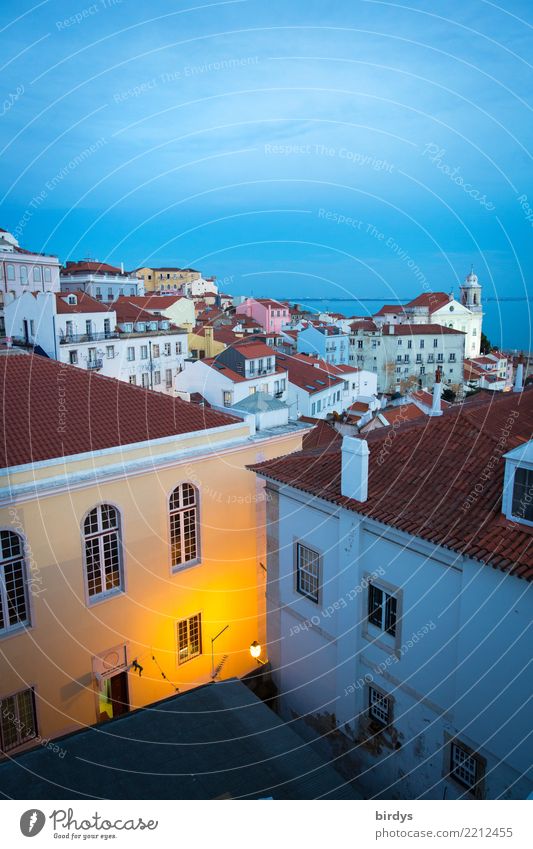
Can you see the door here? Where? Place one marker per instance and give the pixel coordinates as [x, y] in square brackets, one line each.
[113, 697]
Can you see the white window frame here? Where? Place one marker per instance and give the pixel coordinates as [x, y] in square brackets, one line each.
[379, 706]
[185, 506]
[309, 569]
[100, 534]
[185, 654]
[17, 722]
[12, 561]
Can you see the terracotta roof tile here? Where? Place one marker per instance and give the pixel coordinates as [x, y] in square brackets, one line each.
[100, 412]
[429, 475]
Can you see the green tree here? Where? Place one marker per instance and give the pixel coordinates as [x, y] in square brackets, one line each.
[486, 346]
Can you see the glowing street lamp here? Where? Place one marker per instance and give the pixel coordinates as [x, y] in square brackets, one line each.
[255, 651]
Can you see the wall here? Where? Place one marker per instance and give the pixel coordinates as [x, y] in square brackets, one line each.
[455, 668]
[56, 654]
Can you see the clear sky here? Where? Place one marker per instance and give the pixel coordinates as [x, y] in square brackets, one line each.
[291, 148]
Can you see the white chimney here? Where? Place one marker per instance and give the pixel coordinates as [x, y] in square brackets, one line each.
[391, 329]
[122, 268]
[437, 392]
[519, 378]
[354, 472]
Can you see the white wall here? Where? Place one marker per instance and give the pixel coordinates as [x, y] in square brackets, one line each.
[456, 668]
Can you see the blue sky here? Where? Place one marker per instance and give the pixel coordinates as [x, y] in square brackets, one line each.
[238, 137]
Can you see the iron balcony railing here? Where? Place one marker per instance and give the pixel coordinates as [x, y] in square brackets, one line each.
[95, 364]
[71, 338]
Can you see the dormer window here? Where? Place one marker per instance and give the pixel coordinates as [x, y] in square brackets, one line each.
[141, 327]
[72, 300]
[518, 484]
[164, 325]
[128, 327]
[522, 498]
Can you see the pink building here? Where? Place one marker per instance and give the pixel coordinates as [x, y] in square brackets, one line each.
[271, 315]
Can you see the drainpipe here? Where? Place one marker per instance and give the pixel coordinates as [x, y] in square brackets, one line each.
[151, 364]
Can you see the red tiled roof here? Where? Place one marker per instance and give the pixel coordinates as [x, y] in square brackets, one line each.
[221, 367]
[432, 300]
[390, 309]
[402, 413]
[359, 407]
[323, 434]
[101, 412]
[129, 312]
[84, 303]
[86, 266]
[306, 375]
[270, 302]
[251, 349]
[155, 301]
[419, 329]
[363, 324]
[431, 473]
[426, 398]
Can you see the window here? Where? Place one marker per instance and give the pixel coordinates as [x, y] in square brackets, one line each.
[422, 342]
[144, 352]
[379, 706]
[382, 609]
[359, 343]
[183, 525]
[73, 357]
[178, 347]
[409, 343]
[32, 327]
[399, 358]
[131, 354]
[400, 341]
[14, 606]
[419, 358]
[157, 378]
[452, 358]
[522, 491]
[110, 294]
[10, 272]
[440, 358]
[145, 380]
[465, 766]
[168, 378]
[23, 274]
[18, 721]
[435, 343]
[110, 351]
[307, 572]
[167, 349]
[313, 409]
[155, 351]
[103, 554]
[98, 293]
[189, 638]
[132, 379]
[227, 398]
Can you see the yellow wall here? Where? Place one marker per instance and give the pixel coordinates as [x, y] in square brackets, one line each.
[159, 281]
[227, 587]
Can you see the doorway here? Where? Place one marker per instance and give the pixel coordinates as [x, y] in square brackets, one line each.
[113, 696]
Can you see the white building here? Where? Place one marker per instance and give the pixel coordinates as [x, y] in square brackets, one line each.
[404, 356]
[177, 308]
[465, 315]
[24, 271]
[317, 389]
[234, 374]
[101, 281]
[398, 620]
[117, 340]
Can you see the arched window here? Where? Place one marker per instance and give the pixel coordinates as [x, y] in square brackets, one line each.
[183, 525]
[14, 607]
[103, 551]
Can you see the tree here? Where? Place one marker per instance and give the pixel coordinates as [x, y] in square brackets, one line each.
[486, 346]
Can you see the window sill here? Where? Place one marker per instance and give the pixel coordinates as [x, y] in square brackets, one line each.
[15, 631]
[93, 601]
[184, 566]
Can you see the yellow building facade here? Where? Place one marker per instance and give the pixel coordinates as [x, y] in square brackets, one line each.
[94, 647]
[166, 279]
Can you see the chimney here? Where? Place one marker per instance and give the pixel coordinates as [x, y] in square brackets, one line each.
[519, 377]
[122, 268]
[354, 472]
[391, 329]
[437, 392]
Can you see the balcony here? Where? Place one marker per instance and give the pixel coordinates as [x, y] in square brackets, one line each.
[95, 364]
[73, 338]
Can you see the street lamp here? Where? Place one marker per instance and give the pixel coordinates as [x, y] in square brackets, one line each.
[255, 651]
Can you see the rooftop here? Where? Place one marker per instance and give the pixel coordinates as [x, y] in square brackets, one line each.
[87, 266]
[427, 476]
[216, 741]
[101, 412]
[306, 375]
[431, 300]
[84, 303]
[420, 330]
